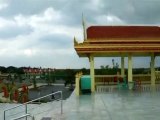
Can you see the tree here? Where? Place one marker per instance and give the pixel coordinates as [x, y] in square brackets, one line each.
[102, 67]
[3, 69]
[113, 63]
[117, 66]
[11, 69]
[107, 67]
[70, 78]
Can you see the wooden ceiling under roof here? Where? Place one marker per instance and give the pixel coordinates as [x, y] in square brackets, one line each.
[120, 40]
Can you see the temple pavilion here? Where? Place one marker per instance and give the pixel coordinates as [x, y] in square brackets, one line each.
[120, 41]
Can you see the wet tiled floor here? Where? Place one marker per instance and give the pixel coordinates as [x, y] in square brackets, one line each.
[118, 105]
[115, 105]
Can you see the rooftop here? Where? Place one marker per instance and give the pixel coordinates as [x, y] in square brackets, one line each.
[120, 40]
[94, 32]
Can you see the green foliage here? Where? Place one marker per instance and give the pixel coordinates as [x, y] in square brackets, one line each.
[19, 70]
[106, 71]
[141, 71]
[19, 77]
[3, 69]
[11, 69]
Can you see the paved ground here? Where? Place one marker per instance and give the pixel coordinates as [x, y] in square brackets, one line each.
[45, 89]
[113, 105]
[117, 105]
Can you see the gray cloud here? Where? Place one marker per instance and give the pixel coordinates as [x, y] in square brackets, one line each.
[133, 11]
[26, 7]
[56, 41]
[46, 39]
[13, 31]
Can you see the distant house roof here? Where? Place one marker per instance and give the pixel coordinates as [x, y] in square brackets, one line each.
[120, 40]
[94, 32]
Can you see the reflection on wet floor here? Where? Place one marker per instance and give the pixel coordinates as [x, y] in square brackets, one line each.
[113, 105]
[117, 105]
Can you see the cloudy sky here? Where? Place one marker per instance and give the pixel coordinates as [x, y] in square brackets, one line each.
[40, 32]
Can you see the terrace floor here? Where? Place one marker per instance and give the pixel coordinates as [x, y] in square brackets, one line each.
[115, 105]
[110, 105]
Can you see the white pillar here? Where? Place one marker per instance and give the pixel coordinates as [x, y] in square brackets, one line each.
[122, 66]
[152, 70]
[130, 78]
[91, 60]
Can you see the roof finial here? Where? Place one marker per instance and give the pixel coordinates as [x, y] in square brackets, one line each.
[84, 27]
[75, 41]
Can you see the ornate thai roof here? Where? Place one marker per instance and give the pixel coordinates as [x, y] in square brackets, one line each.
[94, 32]
[120, 40]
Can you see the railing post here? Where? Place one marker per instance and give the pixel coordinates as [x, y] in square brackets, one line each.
[61, 102]
[33, 118]
[4, 115]
[26, 110]
[39, 95]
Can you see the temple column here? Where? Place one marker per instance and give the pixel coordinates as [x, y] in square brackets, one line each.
[122, 66]
[77, 88]
[130, 77]
[152, 70]
[91, 60]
